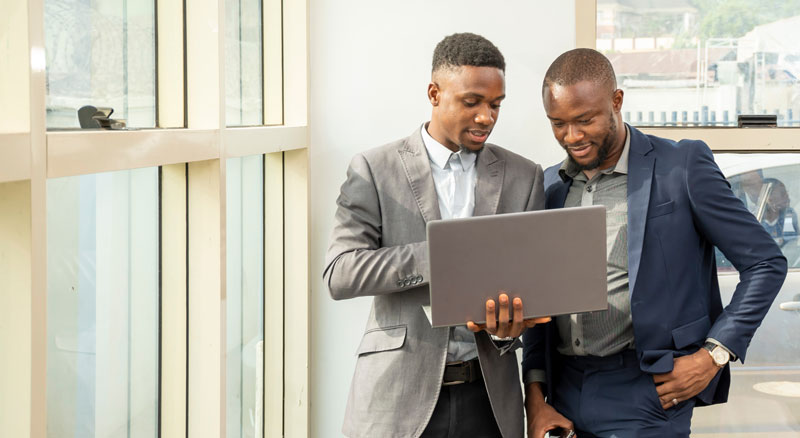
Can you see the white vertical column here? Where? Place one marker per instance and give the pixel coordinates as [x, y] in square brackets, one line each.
[295, 62]
[205, 34]
[297, 300]
[15, 227]
[173, 360]
[38, 308]
[206, 305]
[15, 304]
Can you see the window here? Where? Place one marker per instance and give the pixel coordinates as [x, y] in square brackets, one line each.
[114, 299]
[702, 63]
[245, 296]
[243, 61]
[103, 304]
[100, 53]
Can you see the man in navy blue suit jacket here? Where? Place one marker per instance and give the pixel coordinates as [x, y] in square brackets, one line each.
[663, 347]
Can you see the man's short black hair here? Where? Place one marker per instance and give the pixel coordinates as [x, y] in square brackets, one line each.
[460, 49]
[580, 65]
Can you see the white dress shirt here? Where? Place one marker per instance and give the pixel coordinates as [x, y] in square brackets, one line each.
[454, 176]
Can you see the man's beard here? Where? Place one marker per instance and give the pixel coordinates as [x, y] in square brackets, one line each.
[602, 151]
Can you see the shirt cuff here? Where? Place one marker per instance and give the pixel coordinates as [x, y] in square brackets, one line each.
[534, 376]
[714, 341]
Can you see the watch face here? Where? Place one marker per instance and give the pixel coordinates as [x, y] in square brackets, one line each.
[721, 357]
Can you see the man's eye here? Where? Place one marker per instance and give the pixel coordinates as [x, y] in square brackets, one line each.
[470, 102]
[557, 124]
[585, 122]
[495, 106]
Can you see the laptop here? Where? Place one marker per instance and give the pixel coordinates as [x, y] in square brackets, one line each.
[555, 260]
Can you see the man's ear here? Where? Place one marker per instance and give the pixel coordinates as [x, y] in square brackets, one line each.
[433, 93]
[616, 99]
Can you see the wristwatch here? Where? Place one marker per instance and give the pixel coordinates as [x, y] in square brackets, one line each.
[719, 355]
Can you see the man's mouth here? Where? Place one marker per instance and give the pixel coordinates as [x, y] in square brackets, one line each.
[581, 150]
[478, 135]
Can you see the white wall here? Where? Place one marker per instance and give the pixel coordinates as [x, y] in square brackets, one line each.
[369, 71]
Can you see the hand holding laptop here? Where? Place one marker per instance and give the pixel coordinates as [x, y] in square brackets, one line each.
[500, 325]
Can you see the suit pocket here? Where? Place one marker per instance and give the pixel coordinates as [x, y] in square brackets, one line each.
[661, 209]
[382, 339]
[692, 333]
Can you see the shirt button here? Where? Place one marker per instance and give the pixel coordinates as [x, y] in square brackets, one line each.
[589, 189]
[577, 342]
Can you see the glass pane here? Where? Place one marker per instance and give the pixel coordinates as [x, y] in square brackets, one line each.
[100, 53]
[765, 391]
[102, 305]
[703, 62]
[243, 65]
[245, 296]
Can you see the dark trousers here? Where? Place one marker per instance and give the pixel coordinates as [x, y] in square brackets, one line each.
[463, 411]
[612, 397]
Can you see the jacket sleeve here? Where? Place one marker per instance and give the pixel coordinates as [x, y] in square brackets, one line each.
[534, 351]
[356, 264]
[725, 222]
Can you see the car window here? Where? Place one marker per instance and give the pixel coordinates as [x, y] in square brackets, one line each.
[772, 194]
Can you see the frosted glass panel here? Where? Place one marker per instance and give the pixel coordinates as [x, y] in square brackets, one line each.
[102, 305]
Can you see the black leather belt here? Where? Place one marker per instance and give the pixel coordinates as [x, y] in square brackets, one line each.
[456, 373]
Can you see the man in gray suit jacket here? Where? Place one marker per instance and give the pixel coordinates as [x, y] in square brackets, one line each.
[412, 380]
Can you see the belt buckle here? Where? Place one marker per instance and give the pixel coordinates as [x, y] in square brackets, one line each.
[458, 363]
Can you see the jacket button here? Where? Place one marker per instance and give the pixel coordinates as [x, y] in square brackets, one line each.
[406, 282]
[419, 277]
[399, 283]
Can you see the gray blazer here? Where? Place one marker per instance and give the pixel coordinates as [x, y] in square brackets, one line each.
[378, 248]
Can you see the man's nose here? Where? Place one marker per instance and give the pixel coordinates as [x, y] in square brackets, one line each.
[484, 117]
[574, 135]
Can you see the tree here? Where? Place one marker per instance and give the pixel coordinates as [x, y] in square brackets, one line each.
[734, 18]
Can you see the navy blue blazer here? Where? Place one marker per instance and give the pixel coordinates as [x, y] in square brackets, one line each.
[680, 207]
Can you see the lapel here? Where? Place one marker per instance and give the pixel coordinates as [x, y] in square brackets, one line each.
[555, 189]
[641, 162]
[556, 195]
[489, 185]
[418, 171]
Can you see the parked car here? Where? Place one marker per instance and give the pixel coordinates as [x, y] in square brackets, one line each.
[765, 390]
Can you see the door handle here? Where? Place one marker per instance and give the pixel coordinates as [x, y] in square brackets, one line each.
[790, 305]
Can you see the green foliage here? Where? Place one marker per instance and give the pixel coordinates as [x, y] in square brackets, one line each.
[734, 18]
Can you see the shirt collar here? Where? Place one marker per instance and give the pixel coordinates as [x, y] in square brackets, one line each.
[569, 169]
[440, 155]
